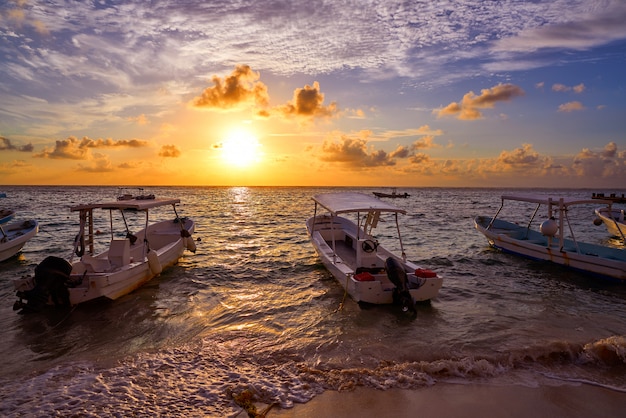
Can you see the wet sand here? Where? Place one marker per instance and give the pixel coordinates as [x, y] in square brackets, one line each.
[448, 400]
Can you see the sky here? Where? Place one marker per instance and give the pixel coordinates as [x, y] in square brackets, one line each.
[437, 93]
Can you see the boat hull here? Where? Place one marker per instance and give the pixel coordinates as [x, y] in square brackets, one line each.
[17, 234]
[116, 281]
[605, 262]
[346, 265]
[125, 266]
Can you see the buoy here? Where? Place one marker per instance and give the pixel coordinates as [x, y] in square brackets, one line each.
[154, 263]
[189, 244]
[549, 227]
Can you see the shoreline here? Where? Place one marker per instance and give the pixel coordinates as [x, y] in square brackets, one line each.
[454, 400]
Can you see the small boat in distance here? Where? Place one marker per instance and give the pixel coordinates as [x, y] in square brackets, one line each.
[366, 270]
[13, 236]
[393, 195]
[613, 219]
[129, 260]
[125, 195]
[549, 242]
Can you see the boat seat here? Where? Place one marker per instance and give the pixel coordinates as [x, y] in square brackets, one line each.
[93, 264]
[119, 252]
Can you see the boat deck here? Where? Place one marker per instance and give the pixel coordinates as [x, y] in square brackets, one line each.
[344, 251]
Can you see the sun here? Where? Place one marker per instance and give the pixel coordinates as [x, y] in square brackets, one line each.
[241, 148]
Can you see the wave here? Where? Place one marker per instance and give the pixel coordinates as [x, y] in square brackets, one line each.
[201, 380]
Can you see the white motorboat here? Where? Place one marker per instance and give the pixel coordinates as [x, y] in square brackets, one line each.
[550, 243]
[14, 235]
[613, 219]
[366, 270]
[129, 260]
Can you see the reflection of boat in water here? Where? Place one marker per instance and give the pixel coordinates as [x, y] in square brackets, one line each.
[613, 197]
[366, 270]
[124, 266]
[14, 235]
[394, 194]
[549, 243]
[613, 219]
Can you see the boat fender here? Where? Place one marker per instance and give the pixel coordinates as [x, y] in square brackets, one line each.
[425, 273]
[597, 221]
[190, 244]
[153, 262]
[188, 240]
[549, 227]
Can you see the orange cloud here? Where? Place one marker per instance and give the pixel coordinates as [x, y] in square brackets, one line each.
[169, 151]
[353, 152]
[139, 120]
[571, 106]
[563, 88]
[607, 163]
[99, 164]
[468, 108]
[424, 143]
[15, 167]
[241, 89]
[307, 103]
[74, 149]
[520, 157]
[17, 16]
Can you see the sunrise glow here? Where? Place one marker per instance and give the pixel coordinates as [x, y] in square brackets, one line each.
[438, 94]
[241, 149]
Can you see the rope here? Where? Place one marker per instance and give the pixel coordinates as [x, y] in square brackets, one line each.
[345, 293]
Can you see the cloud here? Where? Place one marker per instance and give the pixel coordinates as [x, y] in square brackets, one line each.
[468, 108]
[169, 151]
[240, 90]
[583, 33]
[520, 157]
[571, 107]
[78, 149]
[563, 88]
[14, 167]
[425, 142]
[139, 120]
[405, 133]
[18, 17]
[308, 103]
[7, 145]
[354, 153]
[99, 164]
[607, 163]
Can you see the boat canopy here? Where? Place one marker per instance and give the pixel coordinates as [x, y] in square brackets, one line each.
[345, 202]
[133, 204]
[545, 200]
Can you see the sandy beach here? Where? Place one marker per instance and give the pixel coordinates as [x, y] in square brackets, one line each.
[448, 400]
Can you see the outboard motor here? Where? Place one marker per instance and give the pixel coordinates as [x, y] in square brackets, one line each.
[49, 284]
[401, 294]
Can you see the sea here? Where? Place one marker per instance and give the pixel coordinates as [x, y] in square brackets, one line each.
[254, 311]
